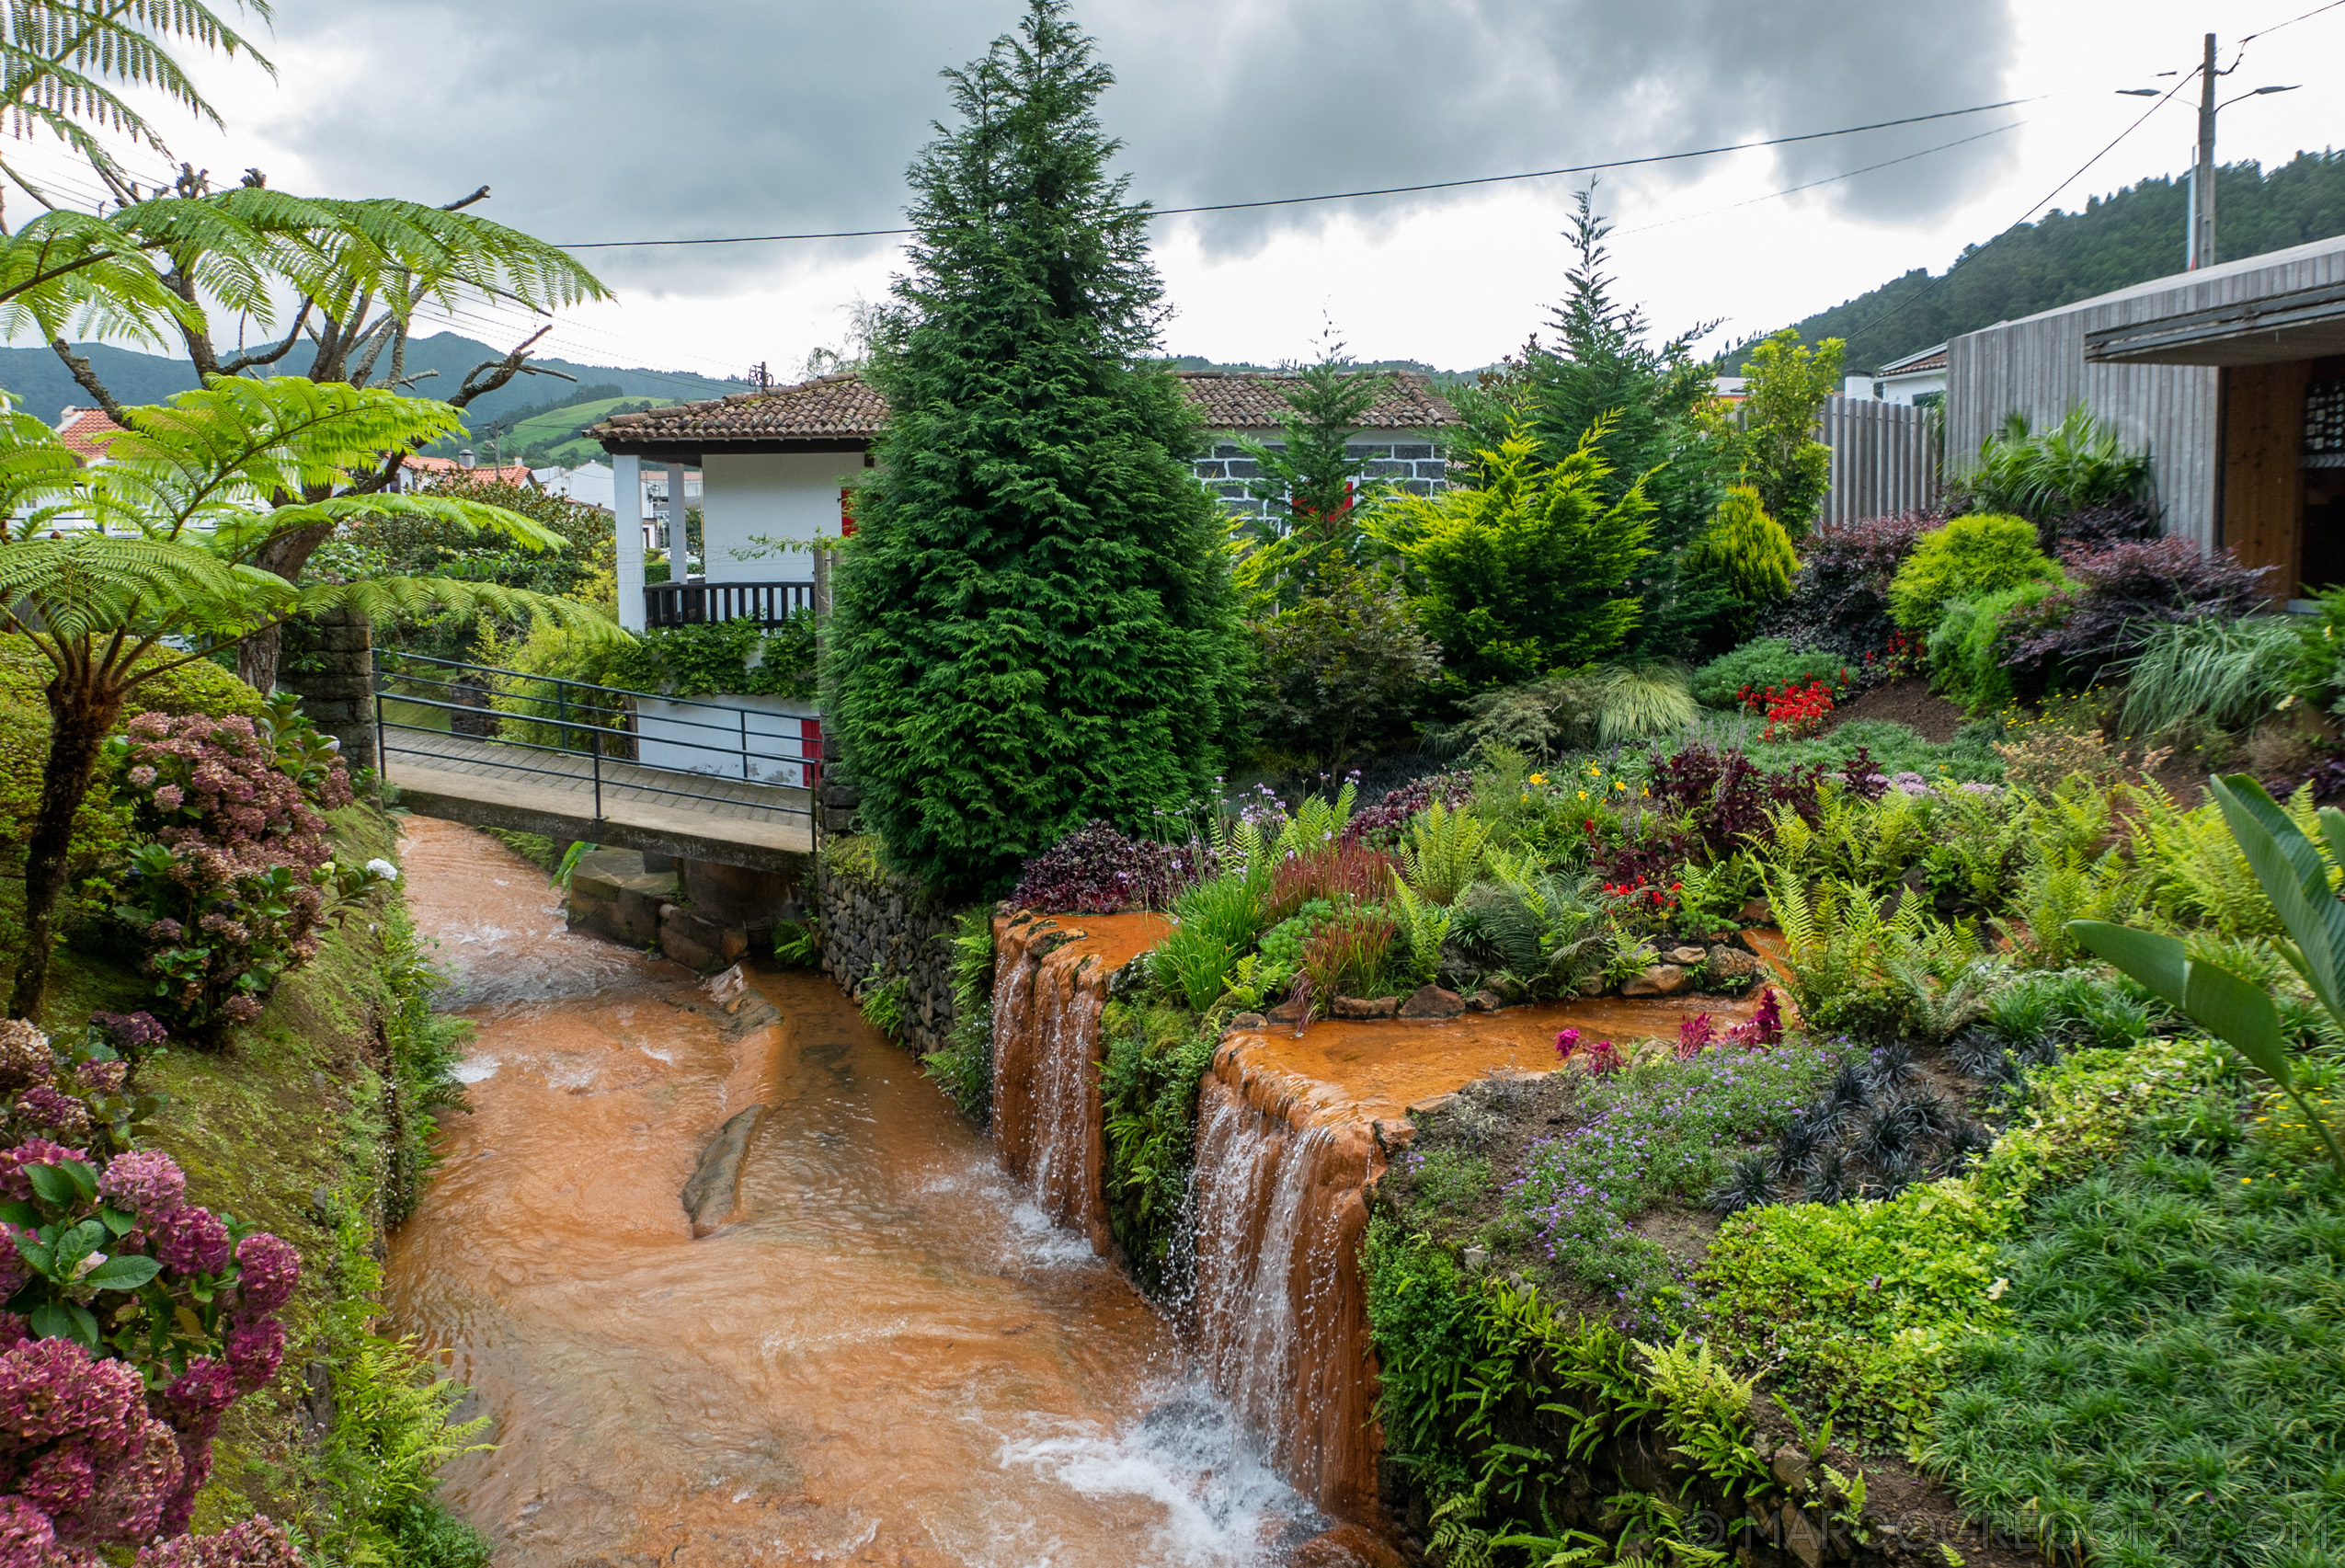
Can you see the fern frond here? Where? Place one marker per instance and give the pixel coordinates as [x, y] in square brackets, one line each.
[418, 597]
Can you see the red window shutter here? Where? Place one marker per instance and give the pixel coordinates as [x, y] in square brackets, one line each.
[846, 511]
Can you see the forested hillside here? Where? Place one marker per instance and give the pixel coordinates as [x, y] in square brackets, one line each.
[2116, 241]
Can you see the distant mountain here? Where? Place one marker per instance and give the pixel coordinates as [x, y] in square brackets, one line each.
[43, 386]
[2117, 241]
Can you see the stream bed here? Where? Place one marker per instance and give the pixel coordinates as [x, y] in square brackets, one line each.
[888, 1354]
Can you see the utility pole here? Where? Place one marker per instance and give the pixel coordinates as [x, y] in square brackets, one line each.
[2203, 171]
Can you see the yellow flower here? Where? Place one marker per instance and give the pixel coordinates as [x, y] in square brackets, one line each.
[1584, 794]
[1538, 778]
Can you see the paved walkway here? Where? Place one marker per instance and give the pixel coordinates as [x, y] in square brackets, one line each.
[468, 779]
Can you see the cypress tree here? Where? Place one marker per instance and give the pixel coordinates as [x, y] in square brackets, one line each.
[1034, 622]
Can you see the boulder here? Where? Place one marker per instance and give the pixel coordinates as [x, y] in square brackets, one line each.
[1756, 912]
[1245, 1022]
[1432, 1001]
[1789, 1467]
[1801, 1537]
[1686, 956]
[1291, 1011]
[1730, 964]
[1364, 1010]
[1484, 1000]
[1662, 980]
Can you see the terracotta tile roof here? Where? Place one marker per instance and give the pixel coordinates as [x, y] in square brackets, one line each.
[1914, 364]
[515, 473]
[87, 431]
[835, 407]
[1241, 400]
[844, 408]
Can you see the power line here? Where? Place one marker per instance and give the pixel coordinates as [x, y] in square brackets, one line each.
[1353, 195]
[1829, 179]
[2290, 22]
[1932, 283]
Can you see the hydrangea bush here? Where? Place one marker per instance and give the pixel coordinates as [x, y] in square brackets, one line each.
[231, 874]
[130, 1320]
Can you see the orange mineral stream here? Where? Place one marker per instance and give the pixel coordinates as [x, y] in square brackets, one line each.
[888, 1356]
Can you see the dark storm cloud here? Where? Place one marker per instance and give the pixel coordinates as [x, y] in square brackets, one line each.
[597, 119]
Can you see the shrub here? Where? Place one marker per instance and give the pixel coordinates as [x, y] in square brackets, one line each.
[1096, 870]
[1764, 662]
[1965, 646]
[233, 874]
[1347, 870]
[1971, 555]
[2116, 596]
[1392, 813]
[2078, 464]
[1748, 548]
[2210, 673]
[1610, 706]
[962, 1066]
[1341, 667]
[1213, 923]
[1528, 572]
[1350, 955]
[1840, 594]
[1728, 798]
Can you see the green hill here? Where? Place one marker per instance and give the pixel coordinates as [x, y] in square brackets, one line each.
[2117, 241]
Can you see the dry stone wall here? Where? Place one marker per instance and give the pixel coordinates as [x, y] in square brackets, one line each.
[328, 660]
[1419, 467]
[878, 930]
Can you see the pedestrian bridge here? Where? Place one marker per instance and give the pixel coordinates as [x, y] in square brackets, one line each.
[727, 780]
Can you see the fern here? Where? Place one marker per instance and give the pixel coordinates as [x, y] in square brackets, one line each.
[1424, 925]
[1444, 851]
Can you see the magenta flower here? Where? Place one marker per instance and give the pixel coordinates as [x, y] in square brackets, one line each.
[42, 1105]
[14, 1184]
[255, 1352]
[148, 1181]
[189, 1240]
[1566, 1042]
[269, 1268]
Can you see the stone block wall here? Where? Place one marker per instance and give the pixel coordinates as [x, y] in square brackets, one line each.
[876, 929]
[1419, 467]
[328, 660]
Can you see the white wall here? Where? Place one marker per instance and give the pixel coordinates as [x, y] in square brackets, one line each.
[778, 495]
[696, 738]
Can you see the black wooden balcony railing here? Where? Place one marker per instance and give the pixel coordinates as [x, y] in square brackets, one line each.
[695, 603]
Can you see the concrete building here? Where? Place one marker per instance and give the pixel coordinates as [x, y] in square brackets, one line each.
[1918, 380]
[2232, 377]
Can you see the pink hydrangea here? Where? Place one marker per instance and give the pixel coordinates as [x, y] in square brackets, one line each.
[189, 1240]
[136, 1496]
[255, 1352]
[195, 1468]
[14, 1184]
[60, 1481]
[26, 1534]
[102, 1077]
[148, 1181]
[52, 1388]
[25, 1055]
[206, 1388]
[42, 1105]
[254, 1543]
[269, 1268]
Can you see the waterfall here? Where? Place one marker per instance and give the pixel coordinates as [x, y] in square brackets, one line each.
[1281, 1311]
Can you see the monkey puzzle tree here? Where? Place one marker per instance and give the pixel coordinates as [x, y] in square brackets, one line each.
[1034, 622]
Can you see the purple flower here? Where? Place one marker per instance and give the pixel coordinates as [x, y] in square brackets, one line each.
[254, 1543]
[14, 1183]
[268, 1268]
[25, 1055]
[26, 1534]
[148, 1181]
[42, 1105]
[102, 1077]
[255, 1352]
[189, 1239]
[60, 1481]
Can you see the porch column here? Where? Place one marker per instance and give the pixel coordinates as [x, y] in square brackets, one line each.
[626, 518]
[677, 571]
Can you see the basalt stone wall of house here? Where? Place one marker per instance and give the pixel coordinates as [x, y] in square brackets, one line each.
[880, 931]
[328, 660]
[1417, 466]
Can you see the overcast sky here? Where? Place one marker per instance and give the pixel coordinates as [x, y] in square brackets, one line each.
[595, 120]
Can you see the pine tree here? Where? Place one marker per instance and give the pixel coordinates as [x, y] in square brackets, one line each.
[1034, 622]
[1310, 482]
[1652, 406]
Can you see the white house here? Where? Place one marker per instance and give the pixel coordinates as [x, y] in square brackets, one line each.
[775, 470]
[1918, 378]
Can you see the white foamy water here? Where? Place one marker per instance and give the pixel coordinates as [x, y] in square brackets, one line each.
[476, 1068]
[1218, 1505]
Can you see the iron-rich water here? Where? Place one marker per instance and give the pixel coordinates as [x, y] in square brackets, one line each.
[888, 1356]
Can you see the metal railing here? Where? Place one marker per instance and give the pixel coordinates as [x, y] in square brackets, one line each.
[546, 717]
[698, 602]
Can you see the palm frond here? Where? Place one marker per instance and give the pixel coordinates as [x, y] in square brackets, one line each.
[415, 598]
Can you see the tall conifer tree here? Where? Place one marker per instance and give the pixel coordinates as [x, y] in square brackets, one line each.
[1034, 622]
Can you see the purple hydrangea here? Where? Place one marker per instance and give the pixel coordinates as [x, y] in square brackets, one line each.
[149, 1181]
[189, 1240]
[130, 1031]
[255, 1352]
[134, 1497]
[60, 1481]
[269, 1268]
[52, 1388]
[102, 1077]
[42, 1105]
[26, 1534]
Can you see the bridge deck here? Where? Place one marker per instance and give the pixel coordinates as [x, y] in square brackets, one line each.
[468, 779]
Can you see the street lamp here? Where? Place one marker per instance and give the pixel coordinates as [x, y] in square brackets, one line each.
[2200, 246]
